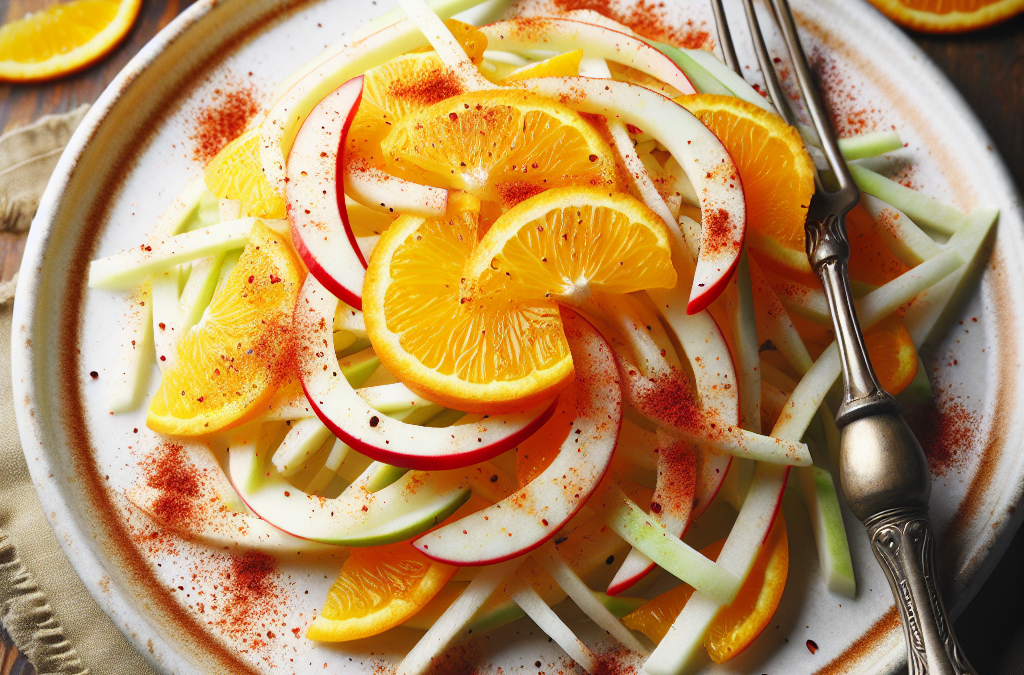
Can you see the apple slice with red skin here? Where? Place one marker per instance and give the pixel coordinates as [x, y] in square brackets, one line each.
[707, 163]
[316, 198]
[350, 417]
[535, 513]
[562, 34]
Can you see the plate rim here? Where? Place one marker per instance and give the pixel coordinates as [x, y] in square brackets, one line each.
[116, 602]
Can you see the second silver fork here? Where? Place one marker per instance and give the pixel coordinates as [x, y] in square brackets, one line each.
[883, 471]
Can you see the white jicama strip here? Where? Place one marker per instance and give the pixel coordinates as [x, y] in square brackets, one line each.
[829, 532]
[888, 298]
[349, 318]
[383, 192]
[805, 301]
[549, 558]
[131, 266]
[443, 8]
[456, 617]
[685, 639]
[563, 35]
[136, 359]
[323, 478]
[679, 559]
[702, 80]
[392, 398]
[724, 74]
[906, 240]
[305, 438]
[747, 358]
[229, 209]
[444, 43]
[198, 291]
[166, 317]
[811, 390]
[621, 312]
[182, 208]
[285, 117]
[921, 208]
[774, 323]
[869, 145]
[926, 310]
[546, 619]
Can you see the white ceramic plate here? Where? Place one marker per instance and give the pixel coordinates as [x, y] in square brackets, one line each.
[177, 602]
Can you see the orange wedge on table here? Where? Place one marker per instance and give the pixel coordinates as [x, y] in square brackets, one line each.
[776, 171]
[501, 146]
[739, 623]
[63, 38]
[236, 357]
[475, 326]
[236, 173]
[948, 16]
[378, 588]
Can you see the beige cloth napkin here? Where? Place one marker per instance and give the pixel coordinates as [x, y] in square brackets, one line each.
[43, 604]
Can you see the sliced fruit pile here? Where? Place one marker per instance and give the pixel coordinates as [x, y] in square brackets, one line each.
[462, 302]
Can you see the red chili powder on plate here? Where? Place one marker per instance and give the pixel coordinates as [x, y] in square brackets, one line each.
[178, 481]
[946, 429]
[850, 114]
[223, 119]
[647, 19]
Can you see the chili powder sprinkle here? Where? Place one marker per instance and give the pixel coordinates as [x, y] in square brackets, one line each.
[225, 118]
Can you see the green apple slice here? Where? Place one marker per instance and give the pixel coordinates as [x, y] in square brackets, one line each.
[829, 532]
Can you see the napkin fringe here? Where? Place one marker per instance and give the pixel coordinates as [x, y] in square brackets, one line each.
[28, 618]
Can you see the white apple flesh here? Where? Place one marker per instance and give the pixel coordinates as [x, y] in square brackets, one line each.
[316, 200]
[597, 42]
[387, 440]
[535, 513]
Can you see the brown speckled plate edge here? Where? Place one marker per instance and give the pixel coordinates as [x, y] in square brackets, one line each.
[61, 241]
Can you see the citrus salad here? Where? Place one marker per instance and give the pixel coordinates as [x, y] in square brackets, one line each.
[502, 310]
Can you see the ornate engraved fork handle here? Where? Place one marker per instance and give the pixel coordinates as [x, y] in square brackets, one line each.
[883, 470]
[829, 254]
[903, 543]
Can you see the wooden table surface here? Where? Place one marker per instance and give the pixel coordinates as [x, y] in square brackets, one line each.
[986, 66]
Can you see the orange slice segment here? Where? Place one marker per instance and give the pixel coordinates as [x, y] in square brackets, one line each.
[871, 261]
[477, 356]
[567, 242]
[502, 146]
[566, 64]
[892, 353]
[236, 173]
[378, 588]
[235, 358]
[777, 175]
[739, 623]
[948, 16]
[63, 38]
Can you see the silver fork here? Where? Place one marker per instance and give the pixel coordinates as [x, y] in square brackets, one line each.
[883, 471]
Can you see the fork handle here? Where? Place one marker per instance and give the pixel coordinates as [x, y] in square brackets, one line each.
[904, 545]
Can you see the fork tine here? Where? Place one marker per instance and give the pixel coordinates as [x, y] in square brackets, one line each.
[815, 107]
[725, 37]
[764, 59]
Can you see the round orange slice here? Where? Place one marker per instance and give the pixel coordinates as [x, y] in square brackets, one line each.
[470, 354]
[776, 171]
[502, 146]
[567, 242]
[378, 588]
[235, 358]
[63, 38]
[475, 326]
[737, 624]
[948, 16]
[236, 173]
